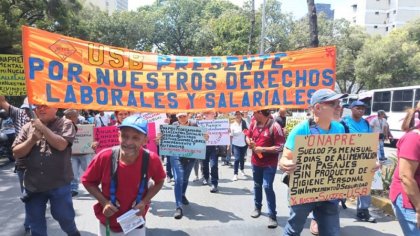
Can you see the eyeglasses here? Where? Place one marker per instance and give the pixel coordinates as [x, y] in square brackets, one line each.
[333, 104]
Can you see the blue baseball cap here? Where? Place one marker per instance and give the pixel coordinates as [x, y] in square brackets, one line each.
[136, 122]
[357, 104]
[325, 95]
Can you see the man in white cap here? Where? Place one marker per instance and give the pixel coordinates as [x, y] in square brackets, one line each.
[324, 103]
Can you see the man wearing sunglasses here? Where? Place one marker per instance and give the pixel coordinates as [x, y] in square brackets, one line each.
[45, 145]
[325, 104]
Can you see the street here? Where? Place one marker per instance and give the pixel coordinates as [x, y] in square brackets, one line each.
[223, 213]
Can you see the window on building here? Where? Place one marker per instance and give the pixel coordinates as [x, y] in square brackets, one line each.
[395, 11]
[402, 100]
[393, 26]
[376, 12]
[387, 15]
[375, 26]
[386, 29]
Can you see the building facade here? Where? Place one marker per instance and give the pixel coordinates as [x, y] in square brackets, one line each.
[108, 6]
[381, 16]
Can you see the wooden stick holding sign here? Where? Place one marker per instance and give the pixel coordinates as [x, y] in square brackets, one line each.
[334, 166]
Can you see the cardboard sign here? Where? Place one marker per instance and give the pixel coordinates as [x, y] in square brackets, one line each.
[334, 166]
[12, 76]
[65, 72]
[106, 137]
[218, 131]
[182, 141]
[83, 141]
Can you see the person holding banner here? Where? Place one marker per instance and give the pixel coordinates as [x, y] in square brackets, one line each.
[405, 187]
[324, 104]
[45, 145]
[181, 169]
[239, 146]
[78, 161]
[20, 117]
[123, 172]
[265, 138]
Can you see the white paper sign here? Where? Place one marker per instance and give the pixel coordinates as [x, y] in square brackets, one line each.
[157, 118]
[377, 183]
[130, 220]
[218, 131]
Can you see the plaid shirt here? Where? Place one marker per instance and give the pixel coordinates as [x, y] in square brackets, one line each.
[19, 118]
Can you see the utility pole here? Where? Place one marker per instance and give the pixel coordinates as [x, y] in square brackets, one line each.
[262, 29]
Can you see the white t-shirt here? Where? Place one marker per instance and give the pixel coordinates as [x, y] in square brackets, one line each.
[238, 137]
[106, 119]
[378, 125]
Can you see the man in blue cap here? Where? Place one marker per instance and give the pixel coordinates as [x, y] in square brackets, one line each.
[356, 124]
[123, 173]
[325, 104]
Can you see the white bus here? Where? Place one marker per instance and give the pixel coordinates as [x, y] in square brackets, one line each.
[395, 102]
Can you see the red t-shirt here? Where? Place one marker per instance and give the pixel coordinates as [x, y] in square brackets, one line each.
[99, 173]
[263, 138]
[408, 147]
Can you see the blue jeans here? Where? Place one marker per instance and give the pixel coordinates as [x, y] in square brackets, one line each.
[239, 154]
[181, 168]
[264, 177]
[326, 214]
[363, 202]
[406, 218]
[78, 162]
[20, 173]
[212, 159]
[61, 209]
[381, 151]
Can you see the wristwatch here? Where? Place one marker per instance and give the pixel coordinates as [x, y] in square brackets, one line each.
[263, 150]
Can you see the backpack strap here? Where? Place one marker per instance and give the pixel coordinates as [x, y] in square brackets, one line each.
[346, 127]
[114, 176]
[313, 127]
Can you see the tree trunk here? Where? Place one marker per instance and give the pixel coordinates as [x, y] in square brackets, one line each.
[313, 24]
[251, 33]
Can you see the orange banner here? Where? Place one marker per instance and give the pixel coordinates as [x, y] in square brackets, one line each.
[65, 72]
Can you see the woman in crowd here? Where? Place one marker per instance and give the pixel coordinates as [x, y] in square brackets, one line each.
[405, 186]
[239, 146]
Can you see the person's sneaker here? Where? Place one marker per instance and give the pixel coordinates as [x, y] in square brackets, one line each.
[256, 213]
[205, 182]
[178, 213]
[242, 172]
[272, 223]
[313, 228]
[224, 163]
[74, 193]
[196, 179]
[214, 189]
[235, 178]
[185, 200]
[365, 216]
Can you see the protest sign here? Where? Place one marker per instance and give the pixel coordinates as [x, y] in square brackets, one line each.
[83, 140]
[106, 137]
[182, 141]
[151, 136]
[155, 118]
[218, 131]
[12, 77]
[65, 72]
[377, 183]
[334, 166]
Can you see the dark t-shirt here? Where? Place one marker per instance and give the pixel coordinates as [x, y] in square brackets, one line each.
[47, 167]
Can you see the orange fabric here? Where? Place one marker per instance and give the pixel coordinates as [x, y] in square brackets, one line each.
[66, 72]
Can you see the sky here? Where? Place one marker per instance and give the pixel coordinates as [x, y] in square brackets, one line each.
[297, 7]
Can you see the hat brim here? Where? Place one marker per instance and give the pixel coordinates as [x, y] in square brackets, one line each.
[27, 106]
[336, 97]
[133, 127]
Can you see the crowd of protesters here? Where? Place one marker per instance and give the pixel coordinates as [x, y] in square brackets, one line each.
[129, 176]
